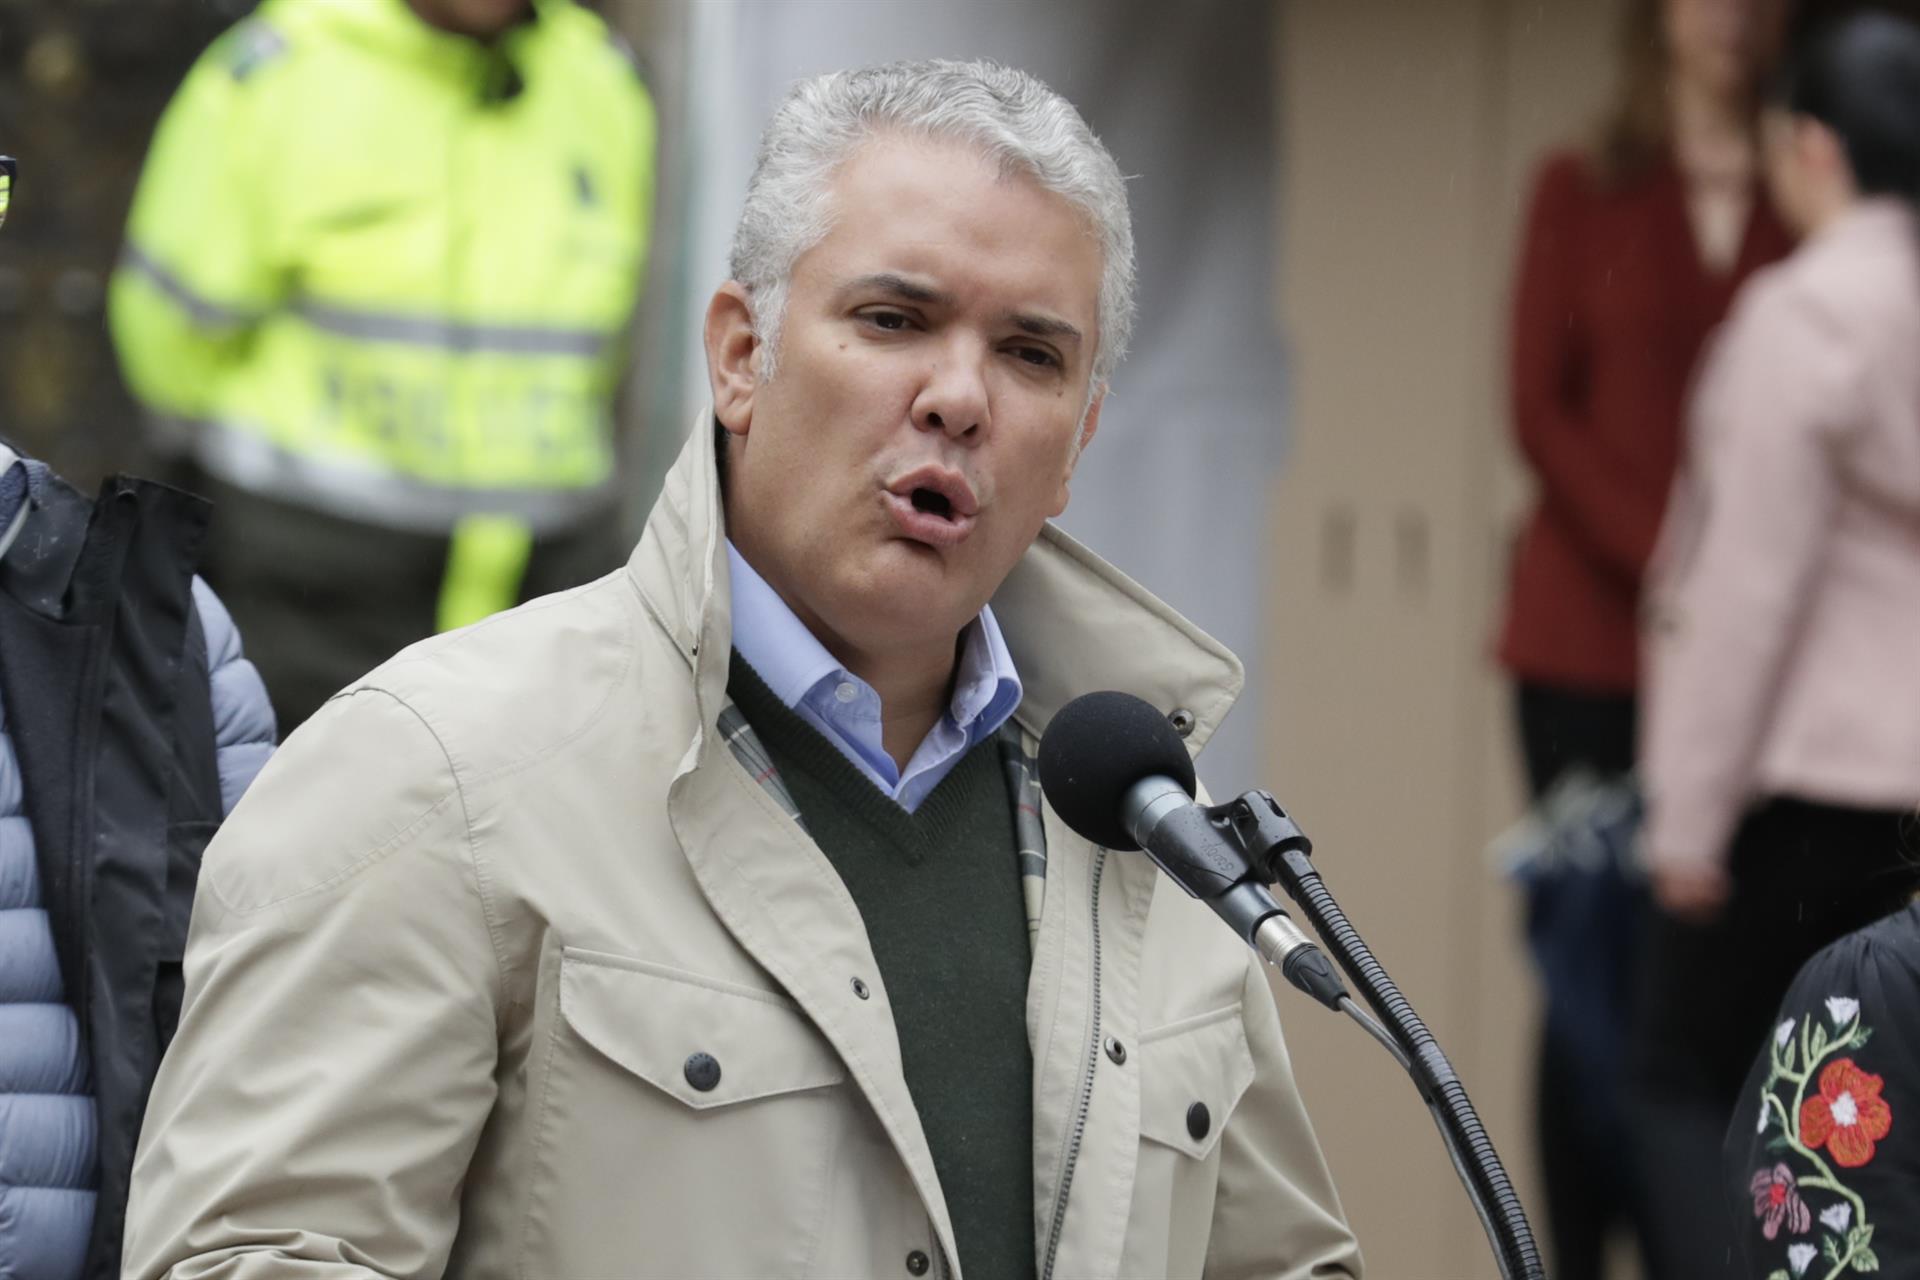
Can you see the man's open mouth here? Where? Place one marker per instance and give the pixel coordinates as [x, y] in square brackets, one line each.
[933, 505]
[932, 502]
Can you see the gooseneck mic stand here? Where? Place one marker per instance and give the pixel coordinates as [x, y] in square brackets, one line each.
[1278, 852]
[1120, 777]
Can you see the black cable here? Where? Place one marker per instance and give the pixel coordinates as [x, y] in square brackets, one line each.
[1374, 1029]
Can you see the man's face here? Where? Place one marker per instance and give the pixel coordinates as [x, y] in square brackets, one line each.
[921, 426]
[481, 19]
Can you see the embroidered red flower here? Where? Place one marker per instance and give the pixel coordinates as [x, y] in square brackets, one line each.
[1849, 1116]
[1777, 1201]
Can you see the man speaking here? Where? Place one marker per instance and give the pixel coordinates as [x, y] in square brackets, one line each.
[707, 920]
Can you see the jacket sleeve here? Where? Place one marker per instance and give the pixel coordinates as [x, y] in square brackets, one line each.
[1752, 517]
[333, 1068]
[1854, 1009]
[198, 271]
[1600, 497]
[243, 725]
[1276, 1214]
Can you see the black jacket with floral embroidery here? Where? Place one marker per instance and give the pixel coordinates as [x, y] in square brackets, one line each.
[1823, 1157]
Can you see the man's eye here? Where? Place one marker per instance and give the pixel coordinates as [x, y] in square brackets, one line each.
[1038, 356]
[891, 321]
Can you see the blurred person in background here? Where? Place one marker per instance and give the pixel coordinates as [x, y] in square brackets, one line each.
[375, 294]
[1633, 249]
[1781, 754]
[130, 723]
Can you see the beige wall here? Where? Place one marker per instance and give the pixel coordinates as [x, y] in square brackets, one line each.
[1407, 133]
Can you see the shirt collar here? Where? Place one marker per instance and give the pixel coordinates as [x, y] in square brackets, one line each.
[986, 688]
[793, 662]
[775, 643]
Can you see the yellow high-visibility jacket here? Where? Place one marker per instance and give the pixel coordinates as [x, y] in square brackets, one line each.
[388, 272]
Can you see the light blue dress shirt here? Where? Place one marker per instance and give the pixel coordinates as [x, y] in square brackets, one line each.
[846, 709]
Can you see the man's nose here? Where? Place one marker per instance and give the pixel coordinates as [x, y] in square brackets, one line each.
[954, 400]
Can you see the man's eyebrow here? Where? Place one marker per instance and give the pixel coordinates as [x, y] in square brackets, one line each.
[899, 286]
[1045, 326]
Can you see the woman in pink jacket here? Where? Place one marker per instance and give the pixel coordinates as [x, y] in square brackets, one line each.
[1781, 742]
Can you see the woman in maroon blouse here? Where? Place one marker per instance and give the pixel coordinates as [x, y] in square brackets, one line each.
[1634, 248]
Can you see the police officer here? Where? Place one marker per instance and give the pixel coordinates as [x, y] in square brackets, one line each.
[375, 292]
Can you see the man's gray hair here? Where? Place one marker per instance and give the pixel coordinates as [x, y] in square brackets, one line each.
[1015, 121]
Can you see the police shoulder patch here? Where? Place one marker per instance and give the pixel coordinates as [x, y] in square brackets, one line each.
[249, 46]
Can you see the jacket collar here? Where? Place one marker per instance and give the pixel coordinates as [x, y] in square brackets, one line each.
[38, 567]
[1072, 622]
[393, 28]
[1868, 225]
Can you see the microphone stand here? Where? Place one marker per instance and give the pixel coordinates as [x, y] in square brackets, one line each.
[1279, 853]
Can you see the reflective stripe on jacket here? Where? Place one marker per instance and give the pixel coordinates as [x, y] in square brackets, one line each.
[388, 272]
[473, 921]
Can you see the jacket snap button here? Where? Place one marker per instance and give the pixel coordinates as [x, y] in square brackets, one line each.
[860, 989]
[703, 1071]
[1116, 1051]
[1199, 1121]
[917, 1263]
[1182, 721]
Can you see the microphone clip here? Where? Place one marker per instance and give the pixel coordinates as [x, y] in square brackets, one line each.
[1275, 846]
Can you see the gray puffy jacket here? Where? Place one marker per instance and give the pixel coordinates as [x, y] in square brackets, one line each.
[47, 1123]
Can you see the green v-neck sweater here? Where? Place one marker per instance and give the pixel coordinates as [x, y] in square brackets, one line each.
[939, 892]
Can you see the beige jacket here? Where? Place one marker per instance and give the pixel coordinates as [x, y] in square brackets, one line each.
[1784, 601]
[452, 952]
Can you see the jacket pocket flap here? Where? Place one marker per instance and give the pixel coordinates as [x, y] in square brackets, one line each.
[1194, 1063]
[653, 1020]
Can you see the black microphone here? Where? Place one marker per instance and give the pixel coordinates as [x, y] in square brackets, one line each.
[1118, 775]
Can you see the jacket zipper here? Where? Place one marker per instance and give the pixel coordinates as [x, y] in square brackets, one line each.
[85, 850]
[1086, 1085]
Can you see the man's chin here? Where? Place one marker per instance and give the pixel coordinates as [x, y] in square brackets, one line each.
[913, 593]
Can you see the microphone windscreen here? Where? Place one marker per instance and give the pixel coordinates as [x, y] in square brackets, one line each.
[1095, 749]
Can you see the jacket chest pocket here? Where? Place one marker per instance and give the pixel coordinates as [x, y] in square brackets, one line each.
[673, 1105]
[1193, 1074]
[658, 1023]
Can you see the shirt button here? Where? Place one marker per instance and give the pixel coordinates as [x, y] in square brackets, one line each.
[1199, 1121]
[703, 1071]
[845, 691]
[917, 1263]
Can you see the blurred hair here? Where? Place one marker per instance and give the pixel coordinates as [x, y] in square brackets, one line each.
[1860, 76]
[1015, 122]
[1633, 130]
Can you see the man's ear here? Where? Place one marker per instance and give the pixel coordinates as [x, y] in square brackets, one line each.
[733, 356]
[1088, 425]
